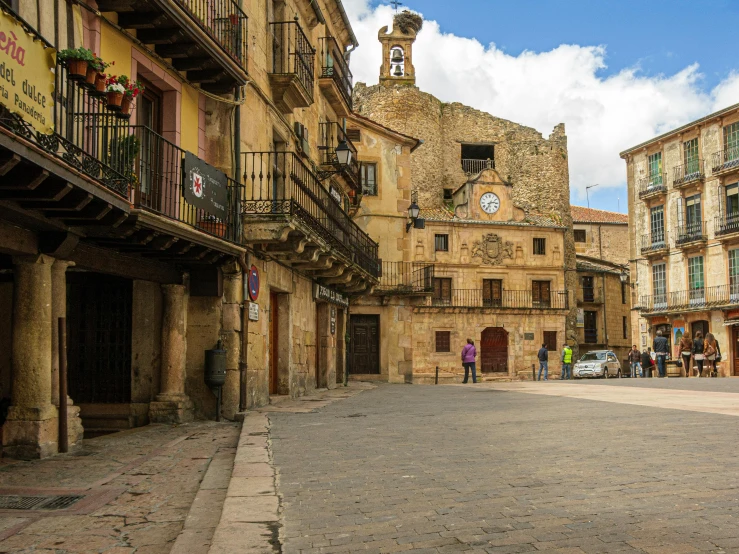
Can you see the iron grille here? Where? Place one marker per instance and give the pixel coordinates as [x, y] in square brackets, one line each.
[59, 502]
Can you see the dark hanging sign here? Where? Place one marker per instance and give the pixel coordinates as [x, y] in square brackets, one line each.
[325, 294]
[206, 188]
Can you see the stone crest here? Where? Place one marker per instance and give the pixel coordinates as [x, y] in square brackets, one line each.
[492, 249]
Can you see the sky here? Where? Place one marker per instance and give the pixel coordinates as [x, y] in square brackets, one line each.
[616, 73]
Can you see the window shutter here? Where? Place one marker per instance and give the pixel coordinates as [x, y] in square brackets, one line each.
[680, 213]
[446, 289]
[487, 292]
[721, 202]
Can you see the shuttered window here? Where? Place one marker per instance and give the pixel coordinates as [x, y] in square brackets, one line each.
[443, 341]
[550, 339]
[492, 292]
[540, 293]
[442, 290]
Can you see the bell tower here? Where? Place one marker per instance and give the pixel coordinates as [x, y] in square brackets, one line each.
[397, 50]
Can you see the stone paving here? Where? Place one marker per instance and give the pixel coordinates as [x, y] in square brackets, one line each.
[484, 468]
[145, 481]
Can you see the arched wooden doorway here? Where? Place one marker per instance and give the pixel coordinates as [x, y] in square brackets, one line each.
[494, 350]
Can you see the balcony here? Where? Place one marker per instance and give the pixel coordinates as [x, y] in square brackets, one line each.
[691, 233]
[205, 39]
[653, 185]
[725, 161]
[654, 243]
[293, 67]
[726, 224]
[654, 303]
[509, 300]
[590, 295]
[336, 80]
[406, 279]
[689, 173]
[331, 135]
[293, 218]
[473, 167]
[705, 298]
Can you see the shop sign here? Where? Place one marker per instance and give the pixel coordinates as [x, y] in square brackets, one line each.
[335, 194]
[26, 75]
[580, 317]
[253, 283]
[326, 294]
[206, 187]
[528, 336]
[253, 311]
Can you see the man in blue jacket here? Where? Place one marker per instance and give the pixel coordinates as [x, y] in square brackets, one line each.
[544, 362]
[661, 349]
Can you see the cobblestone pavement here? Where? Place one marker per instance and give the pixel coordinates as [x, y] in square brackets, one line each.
[138, 486]
[475, 468]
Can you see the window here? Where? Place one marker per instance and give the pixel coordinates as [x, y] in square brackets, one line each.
[443, 341]
[591, 327]
[550, 339]
[580, 235]
[732, 203]
[540, 294]
[441, 243]
[734, 274]
[731, 141]
[368, 173]
[448, 194]
[492, 292]
[655, 169]
[696, 284]
[659, 285]
[657, 224]
[476, 157]
[690, 156]
[354, 135]
[588, 291]
[693, 215]
[540, 247]
[624, 326]
[442, 290]
[623, 293]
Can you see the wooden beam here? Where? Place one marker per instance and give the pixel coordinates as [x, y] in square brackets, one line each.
[107, 261]
[9, 162]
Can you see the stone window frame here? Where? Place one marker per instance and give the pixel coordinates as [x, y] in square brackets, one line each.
[441, 239]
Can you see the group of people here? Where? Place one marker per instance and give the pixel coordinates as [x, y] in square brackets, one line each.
[704, 351]
[565, 358]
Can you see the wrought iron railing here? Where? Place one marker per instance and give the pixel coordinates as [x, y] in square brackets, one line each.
[509, 299]
[723, 296]
[472, 167]
[334, 66]
[653, 302]
[694, 231]
[652, 184]
[726, 224]
[292, 53]
[331, 134]
[406, 278]
[591, 336]
[224, 22]
[728, 158]
[654, 241]
[688, 173]
[280, 185]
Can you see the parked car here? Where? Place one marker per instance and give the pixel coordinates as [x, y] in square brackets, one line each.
[597, 363]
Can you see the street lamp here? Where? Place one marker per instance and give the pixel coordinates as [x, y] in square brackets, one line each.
[625, 277]
[413, 213]
[343, 154]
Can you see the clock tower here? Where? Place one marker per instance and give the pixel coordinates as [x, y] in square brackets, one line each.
[486, 197]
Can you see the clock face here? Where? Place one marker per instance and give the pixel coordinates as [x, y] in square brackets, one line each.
[490, 203]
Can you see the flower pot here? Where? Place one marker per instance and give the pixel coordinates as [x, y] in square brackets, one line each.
[126, 106]
[114, 100]
[100, 83]
[77, 69]
[90, 77]
[234, 19]
[216, 228]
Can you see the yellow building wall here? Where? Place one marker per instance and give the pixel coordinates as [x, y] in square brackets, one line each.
[115, 47]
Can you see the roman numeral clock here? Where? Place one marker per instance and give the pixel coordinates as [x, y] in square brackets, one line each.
[490, 203]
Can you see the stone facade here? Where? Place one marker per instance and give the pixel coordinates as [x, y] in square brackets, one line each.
[681, 268]
[601, 234]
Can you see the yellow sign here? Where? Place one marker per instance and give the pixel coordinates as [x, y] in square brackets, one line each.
[26, 75]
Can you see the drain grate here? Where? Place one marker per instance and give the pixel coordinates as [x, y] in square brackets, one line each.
[15, 502]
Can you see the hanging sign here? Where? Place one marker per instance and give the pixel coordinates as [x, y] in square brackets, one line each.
[580, 317]
[26, 75]
[325, 294]
[253, 283]
[205, 186]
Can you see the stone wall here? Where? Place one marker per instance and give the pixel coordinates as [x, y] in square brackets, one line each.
[604, 241]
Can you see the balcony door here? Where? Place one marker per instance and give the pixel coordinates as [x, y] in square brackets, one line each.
[492, 292]
[693, 216]
[591, 327]
[149, 118]
[690, 157]
[696, 282]
[657, 225]
[734, 275]
[659, 285]
[732, 206]
[655, 170]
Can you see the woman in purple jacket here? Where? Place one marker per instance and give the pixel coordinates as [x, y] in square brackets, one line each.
[469, 352]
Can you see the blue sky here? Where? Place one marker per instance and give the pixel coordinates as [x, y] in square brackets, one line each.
[615, 72]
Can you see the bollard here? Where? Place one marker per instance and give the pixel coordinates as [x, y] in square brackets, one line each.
[533, 371]
[63, 442]
[436, 379]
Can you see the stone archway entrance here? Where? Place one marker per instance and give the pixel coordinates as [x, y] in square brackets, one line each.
[494, 350]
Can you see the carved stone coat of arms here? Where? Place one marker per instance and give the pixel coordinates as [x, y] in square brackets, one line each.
[492, 249]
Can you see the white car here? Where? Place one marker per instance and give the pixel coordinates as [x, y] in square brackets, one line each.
[598, 363]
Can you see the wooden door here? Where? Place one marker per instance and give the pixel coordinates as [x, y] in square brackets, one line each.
[591, 327]
[149, 170]
[364, 345]
[274, 338]
[735, 361]
[492, 292]
[494, 350]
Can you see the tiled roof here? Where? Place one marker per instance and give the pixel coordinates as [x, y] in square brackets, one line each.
[438, 214]
[586, 263]
[590, 215]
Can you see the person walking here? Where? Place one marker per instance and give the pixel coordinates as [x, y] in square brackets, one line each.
[686, 350]
[710, 352]
[661, 349]
[469, 353]
[543, 356]
[698, 356]
[634, 361]
[646, 362]
[566, 363]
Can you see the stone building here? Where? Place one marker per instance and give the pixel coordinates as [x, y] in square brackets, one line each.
[601, 234]
[684, 250]
[215, 208]
[495, 257]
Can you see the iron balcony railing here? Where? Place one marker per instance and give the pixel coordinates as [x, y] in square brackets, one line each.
[653, 303]
[331, 134]
[406, 278]
[653, 184]
[509, 299]
[293, 54]
[728, 158]
[280, 185]
[653, 242]
[334, 66]
[473, 167]
[719, 296]
[591, 336]
[224, 22]
[694, 231]
[726, 224]
[688, 173]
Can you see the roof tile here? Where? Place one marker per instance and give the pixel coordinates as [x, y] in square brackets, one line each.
[591, 215]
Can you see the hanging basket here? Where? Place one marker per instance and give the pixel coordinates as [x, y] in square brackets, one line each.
[126, 107]
[114, 100]
[77, 69]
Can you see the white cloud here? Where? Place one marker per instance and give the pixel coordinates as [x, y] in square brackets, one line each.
[603, 115]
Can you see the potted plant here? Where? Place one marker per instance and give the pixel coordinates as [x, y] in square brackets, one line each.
[77, 61]
[123, 153]
[211, 224]
[115, 91]
[97, 68]
[132, 91]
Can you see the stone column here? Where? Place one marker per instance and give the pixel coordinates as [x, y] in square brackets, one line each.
[59, 309]
[31, 428]
[172, 404]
